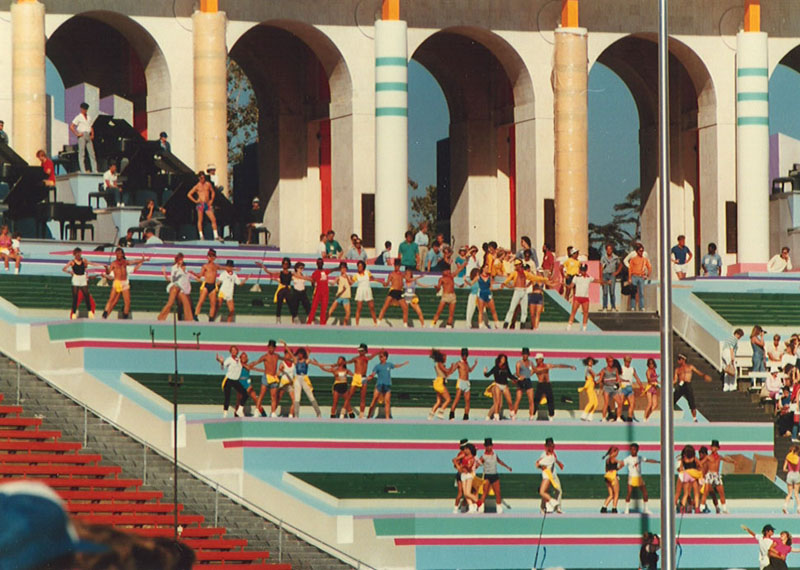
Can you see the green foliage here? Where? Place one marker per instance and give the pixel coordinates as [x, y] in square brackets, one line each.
[424, 207]
[625, 226]
[242, 113]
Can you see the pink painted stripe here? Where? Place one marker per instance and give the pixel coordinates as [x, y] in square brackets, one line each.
[440, 445]
[89, 343]
[563, 541]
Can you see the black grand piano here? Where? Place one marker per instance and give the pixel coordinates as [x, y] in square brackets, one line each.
[26, 199]
[147, 171]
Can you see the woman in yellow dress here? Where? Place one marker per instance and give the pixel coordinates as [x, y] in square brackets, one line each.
[588, 387]
[440, 384]
[611, 479]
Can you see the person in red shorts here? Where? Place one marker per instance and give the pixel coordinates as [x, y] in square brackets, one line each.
[320, 299]
[580, 298]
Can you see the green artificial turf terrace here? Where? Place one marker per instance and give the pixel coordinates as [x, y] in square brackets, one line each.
[514, 486]
[747, 309]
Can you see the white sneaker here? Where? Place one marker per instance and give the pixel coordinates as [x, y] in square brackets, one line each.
[583, 328]
[627, 510]
[456, 510]
[481, 508]
[497, 417]
[440, 414]
[225, 413]
[432, 325]
[513, 416]
[473, 508]
[569, 327]
[647, 511]
[237, 413]
[499, 509]
[341, 415]
[430, 416]
[583, 417]
[274, 415]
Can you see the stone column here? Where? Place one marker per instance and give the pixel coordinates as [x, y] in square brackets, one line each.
[210, 92]
[752, 147]
[570, 82]
[29, 101]
[391, 131]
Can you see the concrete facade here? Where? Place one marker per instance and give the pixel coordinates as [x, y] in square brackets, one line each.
[513, 47]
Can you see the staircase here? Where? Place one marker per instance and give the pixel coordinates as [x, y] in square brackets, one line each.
[711, 401]
[130, 482]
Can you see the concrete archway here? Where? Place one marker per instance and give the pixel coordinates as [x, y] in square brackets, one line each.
[304, 95]
[118, 55]
[693, 141]
[490, 96]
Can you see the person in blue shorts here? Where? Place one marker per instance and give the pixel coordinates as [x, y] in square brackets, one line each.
[383, 386]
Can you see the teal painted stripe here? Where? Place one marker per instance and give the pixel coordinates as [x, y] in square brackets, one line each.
[753, 121]
[571, 526]
[391, 86]
[752, 96]
[391, 112]
[752, 72]
[421, 431]
[385, 61]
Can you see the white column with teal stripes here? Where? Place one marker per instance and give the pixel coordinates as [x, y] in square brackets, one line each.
[752, 147]
[391, 132]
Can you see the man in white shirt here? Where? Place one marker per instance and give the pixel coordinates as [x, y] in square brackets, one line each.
[233, 370]
[780, 262]
[150, 237]
[764, 542]
[81, 127]
[775, 351]
[422, 241]
[111, 185]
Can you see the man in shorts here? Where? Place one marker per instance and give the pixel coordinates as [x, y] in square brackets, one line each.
[462, 384]
[208, 288]
[714, 477]
[682, 380]
[359, 382]
[681, 256]
[383, 386]
[202, 194]
[270, 360]
[447, 286]
[524, 384]
[394, 297]
[634, 463]
[121, 285]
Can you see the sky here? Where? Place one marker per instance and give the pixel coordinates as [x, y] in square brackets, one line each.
[613, 168]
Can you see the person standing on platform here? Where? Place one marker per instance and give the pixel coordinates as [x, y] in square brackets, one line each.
[409, 253]
[463, 384]
[202, 194]
[3, 133]
[320, 299]
[333, 249]
[179, 288]
[359, 382]
[611, 268]
[681, 256]
[208, 285]
[580, 297]
[639, 269]
[422, 240]
[77, 267]
[757, 345]
[547, 462]
[228, 280]
[383, 385]
[81, 127]
[548, 260]
[48, 167]
[233, 371]
[764, 542]
[164, 143]
[711, 264]
[121, 285]
[520, 280]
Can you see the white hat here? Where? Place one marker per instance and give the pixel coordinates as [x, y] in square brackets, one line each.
[211, 166]
[538, 356]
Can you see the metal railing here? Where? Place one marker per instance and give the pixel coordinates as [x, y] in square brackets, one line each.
[283, 526]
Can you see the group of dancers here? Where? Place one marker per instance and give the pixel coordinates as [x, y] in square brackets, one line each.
[472, 489]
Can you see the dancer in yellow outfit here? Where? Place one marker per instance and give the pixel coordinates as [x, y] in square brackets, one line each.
[611, 479]
[359, 382]
[588, 387]
[440, 384]
[547, 462]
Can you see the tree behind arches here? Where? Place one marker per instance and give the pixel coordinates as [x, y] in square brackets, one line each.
[624, 228]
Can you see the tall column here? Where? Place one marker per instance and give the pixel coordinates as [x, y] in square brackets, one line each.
[391, 126]
[570, 82]
[29, 128]
[752, 140]
[210, 90]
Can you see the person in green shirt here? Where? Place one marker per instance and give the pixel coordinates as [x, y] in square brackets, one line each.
[332, 248]
[409, 252]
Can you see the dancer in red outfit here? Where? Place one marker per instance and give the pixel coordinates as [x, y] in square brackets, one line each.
[320, 280]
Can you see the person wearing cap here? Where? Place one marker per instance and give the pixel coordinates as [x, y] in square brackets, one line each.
[227, 281]
[520, 279]
[163, 142]
[489, 461]
[544, 387]
[208, 285]
[569, 269]
[255, 218]
[764, 543]
[634, 463]
[547, 462]
[179, 288]
[456, 463]
[202, 195]
[682, 380]
[81, 127]
[233, 371]
[791, 466]
[359, 383]
[270, 360]
[639, 270]
[463, 384]
[211, 169]
[713, 476]
[37, 532]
